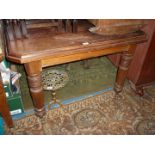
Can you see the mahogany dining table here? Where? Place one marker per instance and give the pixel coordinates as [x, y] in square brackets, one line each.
[43, 48]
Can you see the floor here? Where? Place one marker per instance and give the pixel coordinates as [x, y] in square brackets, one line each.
[92, 95]
[104, 113]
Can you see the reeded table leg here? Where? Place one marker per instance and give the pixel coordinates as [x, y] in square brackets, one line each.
[4, 109]
[124, 64]
[33, 70]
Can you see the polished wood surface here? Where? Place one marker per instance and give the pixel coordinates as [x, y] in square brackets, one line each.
[4, 109]
[33, 70]
[45, 48]
[42, 45]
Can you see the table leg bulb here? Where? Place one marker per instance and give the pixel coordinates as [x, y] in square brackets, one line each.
[35, 84]
[125, 61]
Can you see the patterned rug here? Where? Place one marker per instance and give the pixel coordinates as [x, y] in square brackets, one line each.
[104, 114]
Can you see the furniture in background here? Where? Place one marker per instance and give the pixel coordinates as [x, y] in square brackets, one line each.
[4, 109]
[116, 26]
[71, 25]
[142, 69]
[19, 28]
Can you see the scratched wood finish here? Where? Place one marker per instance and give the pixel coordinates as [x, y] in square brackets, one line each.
[43, 44]
[45, 48]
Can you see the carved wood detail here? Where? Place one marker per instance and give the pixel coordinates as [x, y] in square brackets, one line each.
[33, 70]
[124, 63]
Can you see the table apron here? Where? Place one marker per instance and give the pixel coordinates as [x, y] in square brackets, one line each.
[51, 61]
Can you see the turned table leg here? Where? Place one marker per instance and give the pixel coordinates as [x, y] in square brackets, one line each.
[4, 109]
[123, 67]
[34, 70]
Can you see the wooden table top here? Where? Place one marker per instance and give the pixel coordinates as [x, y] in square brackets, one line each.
[46, 43]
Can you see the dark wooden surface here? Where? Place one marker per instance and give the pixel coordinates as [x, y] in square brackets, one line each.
[45, 48]
[44, 44]
[4, 109]
[116, 26]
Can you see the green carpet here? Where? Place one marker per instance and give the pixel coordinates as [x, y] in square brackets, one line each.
[82, 81]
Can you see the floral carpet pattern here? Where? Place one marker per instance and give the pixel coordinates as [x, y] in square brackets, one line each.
[103, 114]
